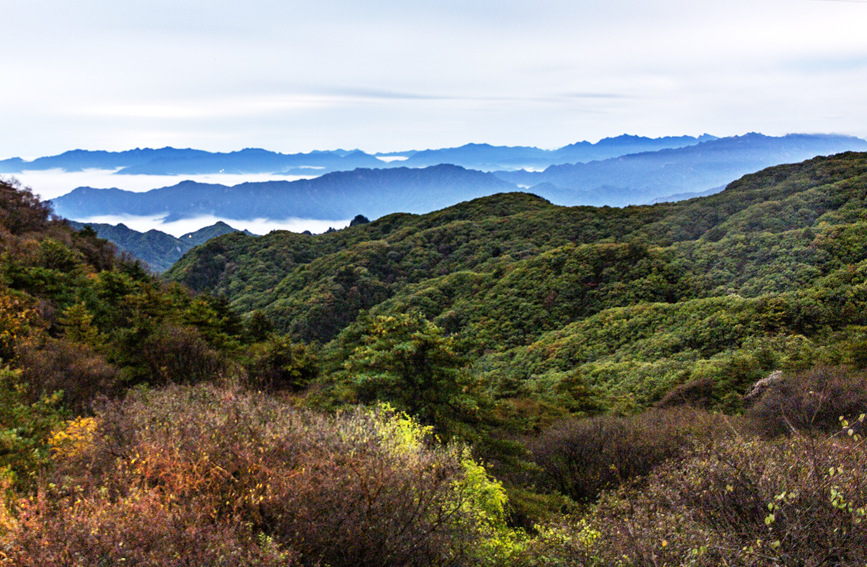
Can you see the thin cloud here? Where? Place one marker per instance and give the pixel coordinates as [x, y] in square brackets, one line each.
[378, 94]
[221, 107]
[595, 95]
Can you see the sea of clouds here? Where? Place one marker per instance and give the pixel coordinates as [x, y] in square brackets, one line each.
[52, 183]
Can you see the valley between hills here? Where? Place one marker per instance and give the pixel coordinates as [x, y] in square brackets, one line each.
[501, 381]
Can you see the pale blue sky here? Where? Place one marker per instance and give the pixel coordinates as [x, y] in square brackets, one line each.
[386, 75]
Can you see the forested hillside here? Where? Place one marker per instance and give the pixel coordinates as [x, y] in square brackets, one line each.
[156, 249]
[502, 383]
[134, 431]
[625, 304]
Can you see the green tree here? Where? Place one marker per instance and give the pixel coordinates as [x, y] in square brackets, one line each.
[278, 364]
[77, 324]
[406, 361]
[26, 422]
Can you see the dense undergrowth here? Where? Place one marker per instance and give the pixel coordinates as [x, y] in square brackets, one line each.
[499, 383]
[212, 476]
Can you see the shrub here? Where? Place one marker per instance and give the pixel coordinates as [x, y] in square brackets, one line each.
[140, 528]
[74, 370]
[362, 488]
[17, 319]
[797, 501]
[278, 364]
[579, 458]
[180, 354]
[809, 401]
[25, 426]
[699, 393]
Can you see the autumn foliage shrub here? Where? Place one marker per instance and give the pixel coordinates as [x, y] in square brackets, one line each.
[140, 528]
[17, 320]
[75, 370]
[812, 400]
[747, 501]
[247, 478]
[582, 457]
[180, 354]
[798, 501]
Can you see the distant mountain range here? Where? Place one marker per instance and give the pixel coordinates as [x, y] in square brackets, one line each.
[491, 158]
[696, 169]
[172, 161]
[645, 177]
[157, 249]
[339, 195]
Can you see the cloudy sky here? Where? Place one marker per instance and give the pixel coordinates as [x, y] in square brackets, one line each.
[381, 75]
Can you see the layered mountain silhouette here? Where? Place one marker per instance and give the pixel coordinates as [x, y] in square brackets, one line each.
[489, 158]
[675, 173]
[340, 195]
[172, 161]
[645, 177]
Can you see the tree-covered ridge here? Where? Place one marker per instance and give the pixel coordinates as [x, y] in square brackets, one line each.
[155, 248]
[81, 298]
[79, 321]
[506, 275]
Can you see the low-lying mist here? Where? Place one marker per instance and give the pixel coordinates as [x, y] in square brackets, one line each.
[51, 183]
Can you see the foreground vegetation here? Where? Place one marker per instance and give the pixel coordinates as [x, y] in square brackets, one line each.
[500, 383]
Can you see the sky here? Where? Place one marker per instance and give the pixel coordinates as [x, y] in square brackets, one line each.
[388, 75]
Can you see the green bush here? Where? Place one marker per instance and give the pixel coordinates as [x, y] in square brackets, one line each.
[27, 419]
[279, 364]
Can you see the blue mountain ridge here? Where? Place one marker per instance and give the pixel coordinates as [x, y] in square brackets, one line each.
[155, 248]
[631, 179]
[339, 195]
[172, 161]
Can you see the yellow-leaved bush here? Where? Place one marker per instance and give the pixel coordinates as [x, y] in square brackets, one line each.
[74, 438]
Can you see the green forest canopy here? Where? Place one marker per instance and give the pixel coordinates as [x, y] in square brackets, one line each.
[578, 307]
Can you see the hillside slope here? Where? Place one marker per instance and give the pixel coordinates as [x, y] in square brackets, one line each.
[630, 302]
[155, 248]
